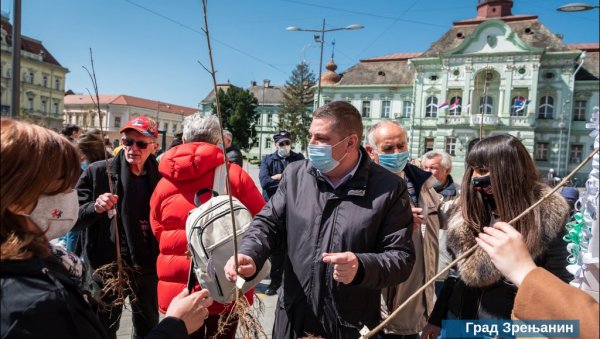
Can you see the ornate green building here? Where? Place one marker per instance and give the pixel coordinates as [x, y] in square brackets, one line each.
[495, 73]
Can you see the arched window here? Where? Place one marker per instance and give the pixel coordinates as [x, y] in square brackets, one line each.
[546, 107]
[486, 105]
[518, 106]
[455, 105]
[431, 107]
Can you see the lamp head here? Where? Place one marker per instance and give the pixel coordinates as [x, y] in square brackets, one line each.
[575, 7]
[354, 27]
[293, 28]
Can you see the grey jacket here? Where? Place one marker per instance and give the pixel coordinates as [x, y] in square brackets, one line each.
[368, 215]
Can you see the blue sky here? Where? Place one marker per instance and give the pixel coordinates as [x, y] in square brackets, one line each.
[151, 48]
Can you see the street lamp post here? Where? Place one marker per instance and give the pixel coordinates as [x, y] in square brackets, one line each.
[321, 39]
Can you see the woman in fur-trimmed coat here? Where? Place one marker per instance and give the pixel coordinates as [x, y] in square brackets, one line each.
[500, 182]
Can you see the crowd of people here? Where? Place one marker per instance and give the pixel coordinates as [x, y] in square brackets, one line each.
[351, 232]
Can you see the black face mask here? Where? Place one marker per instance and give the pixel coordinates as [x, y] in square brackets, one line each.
[483, 185]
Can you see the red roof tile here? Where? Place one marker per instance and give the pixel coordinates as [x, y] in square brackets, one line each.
[127, 100]
[589, 47]
[393, 57]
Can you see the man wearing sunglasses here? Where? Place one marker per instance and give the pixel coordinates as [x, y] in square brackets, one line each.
[271, 169]
[134, 175]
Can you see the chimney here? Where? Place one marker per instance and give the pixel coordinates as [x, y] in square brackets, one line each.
[487, 9]
[266, 83]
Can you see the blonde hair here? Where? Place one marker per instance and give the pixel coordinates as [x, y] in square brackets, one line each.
[33, 158]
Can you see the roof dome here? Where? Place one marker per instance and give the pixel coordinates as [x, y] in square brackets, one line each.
[330, 77]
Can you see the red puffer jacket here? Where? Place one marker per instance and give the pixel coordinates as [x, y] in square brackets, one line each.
[185, 170]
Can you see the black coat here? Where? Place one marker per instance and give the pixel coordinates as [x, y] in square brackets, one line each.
[274, 164]
[98, 237]
[39, 300]
[368, 215]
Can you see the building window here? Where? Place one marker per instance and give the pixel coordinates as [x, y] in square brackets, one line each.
[576, 153]
[386, 108]
[451, 146]
[55, 111]
[56, 84]
[30, 104]
[431, 107]
[517, 106]
[541, 151]
[366, 108]
[44, 106]
[268, 142]
[486, 105]
[269, 119]
[407, 109]
[546, 107]
[579, 110]
[428, 145]
[166, 127]
[117, 122]
[45, 81]
[326, 101]
[31, 77]
[455, 106]
[174, 128]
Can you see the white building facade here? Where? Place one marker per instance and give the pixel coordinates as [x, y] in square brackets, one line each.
[496, 73]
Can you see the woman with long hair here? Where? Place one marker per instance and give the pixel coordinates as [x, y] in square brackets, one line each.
[40, 283]
[499, 183]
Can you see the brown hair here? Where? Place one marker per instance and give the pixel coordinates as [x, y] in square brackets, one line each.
[514, 180]
[345, 117]
[91, 146]
[33, 158]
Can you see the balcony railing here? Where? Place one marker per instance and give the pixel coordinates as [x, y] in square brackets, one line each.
[488, 120]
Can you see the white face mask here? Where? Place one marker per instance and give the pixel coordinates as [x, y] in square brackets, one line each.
[56, 214]
[284, 151]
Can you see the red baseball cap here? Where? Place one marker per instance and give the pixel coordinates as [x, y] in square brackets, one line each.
[143, 125]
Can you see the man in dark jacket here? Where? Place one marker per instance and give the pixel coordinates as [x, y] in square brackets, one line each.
[134, 174]
[346, 223]
[234, 154]
[271, 169]
[272, 165]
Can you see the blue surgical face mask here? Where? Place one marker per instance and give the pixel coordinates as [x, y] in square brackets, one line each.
[84, 165]
[321, 157]
[394, 162]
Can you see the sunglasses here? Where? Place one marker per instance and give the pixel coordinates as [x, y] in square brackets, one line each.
[284, 143]
[138, 143]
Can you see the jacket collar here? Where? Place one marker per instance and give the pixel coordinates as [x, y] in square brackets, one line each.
[357, 185]
[38, 268]
[417, 176]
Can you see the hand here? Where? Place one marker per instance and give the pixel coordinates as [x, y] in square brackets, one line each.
[508, 252]
[192, 309]
[430, 332]
[105, 202]
[246, 267]
[345, 266]
[276, 176]
[417, 217]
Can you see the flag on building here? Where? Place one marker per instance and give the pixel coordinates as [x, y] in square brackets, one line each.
[520, 104]
[443, 105]
[455, 104]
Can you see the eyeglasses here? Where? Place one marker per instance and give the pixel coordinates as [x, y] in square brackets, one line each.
[284, 143]
[140, 144]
